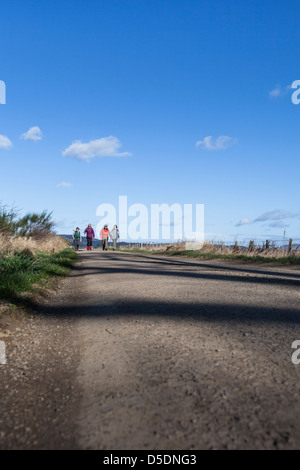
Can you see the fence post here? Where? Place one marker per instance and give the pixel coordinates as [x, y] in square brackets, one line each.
[267, 244]
[236, 247]
[290, 245]
[251, 245]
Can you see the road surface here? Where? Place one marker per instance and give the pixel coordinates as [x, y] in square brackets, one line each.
[152, 352]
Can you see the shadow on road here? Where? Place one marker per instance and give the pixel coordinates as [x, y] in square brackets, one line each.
[202, 312]
[140, 265]
[161, 268]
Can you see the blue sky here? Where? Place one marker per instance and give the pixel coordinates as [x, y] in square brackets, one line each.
[163, 101]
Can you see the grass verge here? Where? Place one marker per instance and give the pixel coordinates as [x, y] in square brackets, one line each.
[19, 273]
[231, 257]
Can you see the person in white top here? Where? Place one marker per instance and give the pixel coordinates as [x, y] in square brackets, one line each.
[115, 235]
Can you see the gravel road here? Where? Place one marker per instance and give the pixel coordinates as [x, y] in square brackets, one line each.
[152, 352]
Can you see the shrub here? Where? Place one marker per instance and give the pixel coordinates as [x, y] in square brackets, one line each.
[35, 225]
[8, 220]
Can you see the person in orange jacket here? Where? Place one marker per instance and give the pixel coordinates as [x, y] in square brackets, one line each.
[104, 234]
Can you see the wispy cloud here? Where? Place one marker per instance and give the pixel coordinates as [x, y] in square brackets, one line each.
[64, 185]
[275, 219]
[278, 224]
[279, 91]
[5, 143]
[65, 223]
[34, 133]
[244, 221]
[104, 147]
[276, 214]
[220, 143]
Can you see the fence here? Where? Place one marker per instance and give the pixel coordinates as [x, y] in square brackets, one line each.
[245, 244]
[290, 245]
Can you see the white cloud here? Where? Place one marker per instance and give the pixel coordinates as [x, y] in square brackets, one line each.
[34, 133]
[244, 221]
[104, 147]
[221, 143]
[5, 143]
[64, 185]
[279, 91]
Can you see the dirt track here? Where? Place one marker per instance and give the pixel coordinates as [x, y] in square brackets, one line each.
[139, 352]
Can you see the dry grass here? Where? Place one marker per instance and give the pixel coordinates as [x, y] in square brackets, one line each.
[10, 245]
[219, 249]
[222, 249]
[257, 250]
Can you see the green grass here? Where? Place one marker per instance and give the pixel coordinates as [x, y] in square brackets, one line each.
[19, 273]
[245, 258]
[231, 257]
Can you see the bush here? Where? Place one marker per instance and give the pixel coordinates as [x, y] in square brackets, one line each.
[32, 225]
[35, 225]
[8, 220]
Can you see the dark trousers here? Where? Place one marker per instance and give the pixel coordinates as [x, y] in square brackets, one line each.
[76, 243]
[104, 243]
[89, 242]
